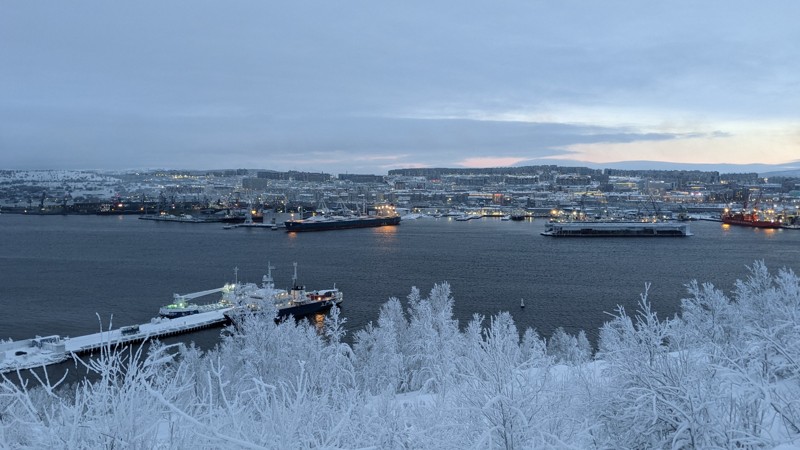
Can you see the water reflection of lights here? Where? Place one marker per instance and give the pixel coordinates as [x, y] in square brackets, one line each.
[387, 230]
[770, 232]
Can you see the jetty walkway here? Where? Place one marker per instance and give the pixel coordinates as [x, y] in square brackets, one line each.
[42, 351]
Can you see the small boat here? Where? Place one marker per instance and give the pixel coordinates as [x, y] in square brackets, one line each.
[522, 303]
[518, 214]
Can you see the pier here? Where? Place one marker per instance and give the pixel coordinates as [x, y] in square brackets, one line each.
[42, 351]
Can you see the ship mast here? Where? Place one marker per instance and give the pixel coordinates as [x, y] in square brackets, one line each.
[298, 292]
[267, 280]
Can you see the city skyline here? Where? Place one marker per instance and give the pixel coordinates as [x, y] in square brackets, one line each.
[365, 88]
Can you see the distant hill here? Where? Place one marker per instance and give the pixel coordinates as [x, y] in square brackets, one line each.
[782, 173]
[764, 170]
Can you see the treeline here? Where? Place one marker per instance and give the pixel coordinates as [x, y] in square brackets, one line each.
[724, 374]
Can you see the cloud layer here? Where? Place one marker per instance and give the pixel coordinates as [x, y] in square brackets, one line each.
[364, 87]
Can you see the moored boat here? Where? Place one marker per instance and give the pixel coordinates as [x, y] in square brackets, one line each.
[751, 216]
[519, 214]
[616, 229]
[385, 216]
[749, 219]
[295, 302]
[182, 305]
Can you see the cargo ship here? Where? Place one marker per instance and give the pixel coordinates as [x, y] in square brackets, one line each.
[750, 216]
[386, 216]
[749, 219]
[616, 229]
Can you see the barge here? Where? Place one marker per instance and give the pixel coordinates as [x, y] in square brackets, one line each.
[616, 229]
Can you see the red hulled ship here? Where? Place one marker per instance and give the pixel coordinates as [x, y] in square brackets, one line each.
[750, 217]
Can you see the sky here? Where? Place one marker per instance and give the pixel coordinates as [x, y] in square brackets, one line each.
[366, 87]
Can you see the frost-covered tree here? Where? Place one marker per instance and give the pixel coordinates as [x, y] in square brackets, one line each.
[534, 349]
[493, 386]
[567, 349]
[377, 351]
[722, 374]
[429, 349]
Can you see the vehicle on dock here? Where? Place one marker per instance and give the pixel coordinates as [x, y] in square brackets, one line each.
[130, 329]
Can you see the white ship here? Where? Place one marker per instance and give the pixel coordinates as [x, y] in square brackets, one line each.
[295, 302]
[182, 306]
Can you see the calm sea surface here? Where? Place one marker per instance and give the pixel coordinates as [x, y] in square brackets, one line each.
[59, 273]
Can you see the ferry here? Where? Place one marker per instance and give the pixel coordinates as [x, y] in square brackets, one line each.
[616, 229]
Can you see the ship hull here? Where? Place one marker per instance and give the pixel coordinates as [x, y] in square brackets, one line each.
[751, 223]
[175, 314]
[616, 229]
[297, 225]
[296, 311]
[306, 309]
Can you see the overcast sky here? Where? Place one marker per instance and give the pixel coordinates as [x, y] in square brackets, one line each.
[364, 87]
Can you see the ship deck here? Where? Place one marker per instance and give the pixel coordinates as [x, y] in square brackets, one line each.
[616, 229]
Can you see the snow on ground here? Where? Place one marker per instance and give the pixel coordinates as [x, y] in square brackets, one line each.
[31, 356]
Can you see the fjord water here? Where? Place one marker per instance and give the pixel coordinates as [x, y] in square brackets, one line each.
[65, 274]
